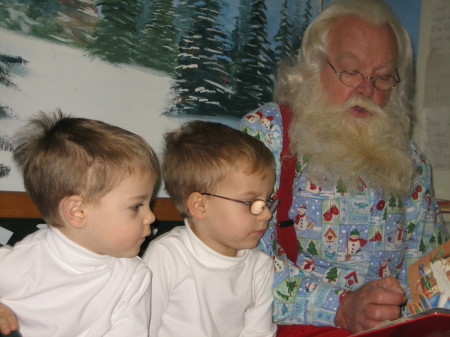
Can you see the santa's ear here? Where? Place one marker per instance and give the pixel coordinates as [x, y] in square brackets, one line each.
[71, 210]
[196, 205]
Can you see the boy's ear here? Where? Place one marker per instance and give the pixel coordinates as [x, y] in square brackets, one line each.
[196, 205]
[71, 210]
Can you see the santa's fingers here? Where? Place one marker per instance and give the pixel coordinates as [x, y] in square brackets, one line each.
[391, 284]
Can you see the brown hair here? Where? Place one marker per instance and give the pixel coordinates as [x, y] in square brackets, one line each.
[198, 156]
[60, 156]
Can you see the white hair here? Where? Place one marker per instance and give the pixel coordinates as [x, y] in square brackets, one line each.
[292, 73]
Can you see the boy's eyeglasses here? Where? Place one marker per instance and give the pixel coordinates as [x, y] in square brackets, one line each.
[256, 206]
[353, 78]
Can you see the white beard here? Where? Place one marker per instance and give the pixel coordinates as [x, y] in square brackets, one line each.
[339, 146]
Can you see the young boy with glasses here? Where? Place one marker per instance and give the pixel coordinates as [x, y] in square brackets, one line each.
[208, 277]
[81, 276]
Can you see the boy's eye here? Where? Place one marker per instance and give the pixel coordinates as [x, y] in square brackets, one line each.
[136, 207]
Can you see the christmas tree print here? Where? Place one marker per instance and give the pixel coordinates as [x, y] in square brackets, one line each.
[392, 202]
[432, 240]
[312, 249]
[340, 187]
[411, 227]
[422, 246]
[332, 275]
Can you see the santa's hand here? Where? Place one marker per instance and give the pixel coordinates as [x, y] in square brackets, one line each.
[8, 321]
[372, 304]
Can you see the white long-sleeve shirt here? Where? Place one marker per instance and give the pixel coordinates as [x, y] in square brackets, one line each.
[199, 292]
[58, 288]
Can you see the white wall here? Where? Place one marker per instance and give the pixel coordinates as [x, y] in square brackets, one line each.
[432, 131]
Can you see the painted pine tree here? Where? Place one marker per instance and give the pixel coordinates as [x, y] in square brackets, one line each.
[202, 78]
[157, 46]
[43, 13]
[254, 81]
[301, 19]
[116, 33]
[284, 37]
[7, 62]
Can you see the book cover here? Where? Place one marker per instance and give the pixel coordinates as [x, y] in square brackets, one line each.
[433, 322]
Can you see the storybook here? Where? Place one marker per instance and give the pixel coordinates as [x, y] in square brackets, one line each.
[429, 307]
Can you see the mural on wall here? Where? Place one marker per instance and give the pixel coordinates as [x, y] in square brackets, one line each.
[221, 54]
[196, 58]
[146, 65]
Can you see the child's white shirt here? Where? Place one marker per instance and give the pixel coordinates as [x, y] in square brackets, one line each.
[199, 292]
[58, 288]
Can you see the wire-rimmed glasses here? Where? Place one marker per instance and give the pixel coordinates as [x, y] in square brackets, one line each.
[353, 78]
[256, 207]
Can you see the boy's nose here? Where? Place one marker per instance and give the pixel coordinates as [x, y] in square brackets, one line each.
[149, 219]
[266, 214]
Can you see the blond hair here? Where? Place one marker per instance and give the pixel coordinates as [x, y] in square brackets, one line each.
[61, 156]
[198, 156]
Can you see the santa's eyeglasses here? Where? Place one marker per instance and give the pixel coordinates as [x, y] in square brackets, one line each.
[353, 78]
[256, 207]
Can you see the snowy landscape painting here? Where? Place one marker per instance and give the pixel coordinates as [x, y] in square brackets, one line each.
[145, 65]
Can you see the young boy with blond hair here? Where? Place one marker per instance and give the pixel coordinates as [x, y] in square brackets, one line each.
[92, 183]
[208, 277]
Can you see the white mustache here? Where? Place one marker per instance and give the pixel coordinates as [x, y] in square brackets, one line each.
[363, 103]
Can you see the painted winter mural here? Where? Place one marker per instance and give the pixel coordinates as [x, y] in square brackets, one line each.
[221, 54]
[146, 65]
[162, 61]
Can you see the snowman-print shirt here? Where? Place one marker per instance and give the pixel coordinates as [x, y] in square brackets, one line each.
[344, 239]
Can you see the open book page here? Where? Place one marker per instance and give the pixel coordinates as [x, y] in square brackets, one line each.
[429, 307]
[429, 280]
